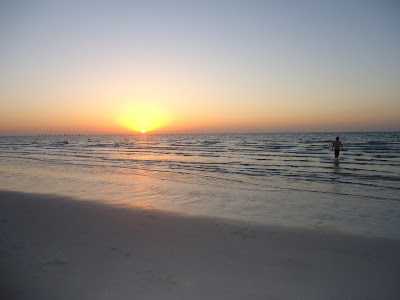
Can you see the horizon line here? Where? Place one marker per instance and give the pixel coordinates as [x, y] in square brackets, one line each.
[199, 133]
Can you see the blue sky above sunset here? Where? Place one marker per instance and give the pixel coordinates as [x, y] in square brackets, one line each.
[198, 66]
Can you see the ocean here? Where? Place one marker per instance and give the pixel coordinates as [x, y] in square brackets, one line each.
[289, 179]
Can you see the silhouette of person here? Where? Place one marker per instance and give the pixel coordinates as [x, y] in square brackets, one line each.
[337, 145]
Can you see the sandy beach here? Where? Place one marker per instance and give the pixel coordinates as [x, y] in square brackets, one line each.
[59, 248]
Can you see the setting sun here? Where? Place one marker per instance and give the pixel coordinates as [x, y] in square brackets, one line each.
[142, 118]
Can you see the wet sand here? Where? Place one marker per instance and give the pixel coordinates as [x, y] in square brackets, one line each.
[59, 248]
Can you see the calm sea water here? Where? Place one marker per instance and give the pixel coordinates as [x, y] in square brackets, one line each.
[289, 179]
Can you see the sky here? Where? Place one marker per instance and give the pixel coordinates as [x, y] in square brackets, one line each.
[110, 67]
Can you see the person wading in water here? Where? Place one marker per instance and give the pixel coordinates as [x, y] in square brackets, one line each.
[337, 145]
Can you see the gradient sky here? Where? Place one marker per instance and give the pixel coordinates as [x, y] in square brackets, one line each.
[198, 66]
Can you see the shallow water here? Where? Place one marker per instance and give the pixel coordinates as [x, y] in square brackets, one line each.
[289, 179]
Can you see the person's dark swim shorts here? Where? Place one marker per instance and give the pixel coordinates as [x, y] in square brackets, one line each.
[337, 151]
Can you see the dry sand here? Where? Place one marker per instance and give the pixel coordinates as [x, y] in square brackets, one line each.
[58, 248]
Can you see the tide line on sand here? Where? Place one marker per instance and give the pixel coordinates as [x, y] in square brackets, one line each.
[58, 248]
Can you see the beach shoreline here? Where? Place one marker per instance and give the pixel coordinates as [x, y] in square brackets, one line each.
[54, 247]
